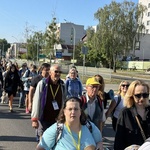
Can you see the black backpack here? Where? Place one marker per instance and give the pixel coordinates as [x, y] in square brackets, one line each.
[59, 130]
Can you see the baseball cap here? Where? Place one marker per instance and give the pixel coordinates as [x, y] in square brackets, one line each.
[91, 81]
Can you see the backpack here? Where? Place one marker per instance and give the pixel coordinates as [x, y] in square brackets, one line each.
[26, 83]
[83, 101]
[59, 130]
[28, 73]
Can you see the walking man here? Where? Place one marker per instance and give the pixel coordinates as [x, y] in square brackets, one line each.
[48, 99]
[45, 67]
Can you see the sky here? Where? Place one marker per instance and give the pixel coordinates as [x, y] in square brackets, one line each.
[34, 15]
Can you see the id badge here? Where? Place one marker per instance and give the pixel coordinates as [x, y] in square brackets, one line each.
[55, 105]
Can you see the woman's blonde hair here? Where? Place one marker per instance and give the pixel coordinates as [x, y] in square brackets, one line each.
[129, 99]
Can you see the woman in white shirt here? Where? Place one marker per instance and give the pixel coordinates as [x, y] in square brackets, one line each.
[117, 103]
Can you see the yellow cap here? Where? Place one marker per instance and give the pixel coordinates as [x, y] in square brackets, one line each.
[92, 81]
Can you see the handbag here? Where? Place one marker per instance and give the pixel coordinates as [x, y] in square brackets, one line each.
[8, 89]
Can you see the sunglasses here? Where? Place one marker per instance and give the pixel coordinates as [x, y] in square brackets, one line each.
[56, 71]
[144, 95]
[123, 85]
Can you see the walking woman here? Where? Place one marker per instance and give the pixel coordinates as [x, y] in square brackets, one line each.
[133, 126]
[101, 93]
[75, 133]
[117, 104]
[73, 84]
[11, 83]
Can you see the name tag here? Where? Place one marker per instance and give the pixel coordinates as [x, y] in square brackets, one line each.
[55, 105]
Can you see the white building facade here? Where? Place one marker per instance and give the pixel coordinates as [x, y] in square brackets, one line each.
[146, 17]
[143, 53]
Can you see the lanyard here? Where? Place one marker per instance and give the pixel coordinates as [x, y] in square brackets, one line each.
[54, 95]
[77, 146]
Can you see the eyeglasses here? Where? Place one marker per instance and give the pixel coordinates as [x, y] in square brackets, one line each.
[144, 95]
[56, 71]
[70, 109]
[123, 85]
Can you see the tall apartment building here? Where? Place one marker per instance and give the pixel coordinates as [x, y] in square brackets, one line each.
[68, 31]
[70, 35]
[146, 17]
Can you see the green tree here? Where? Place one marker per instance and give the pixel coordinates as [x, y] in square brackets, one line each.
[118, 25]
[34, 45]
[4, 45]
[51, 38]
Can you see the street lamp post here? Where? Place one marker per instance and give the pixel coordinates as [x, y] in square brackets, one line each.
[37, 52]
[74, 41]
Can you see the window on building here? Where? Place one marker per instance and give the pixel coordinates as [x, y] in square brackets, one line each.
[148, 14]
[148, 5]
[148, 22]
[147, 31]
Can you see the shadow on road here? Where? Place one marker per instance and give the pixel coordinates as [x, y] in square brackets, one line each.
[17, 139]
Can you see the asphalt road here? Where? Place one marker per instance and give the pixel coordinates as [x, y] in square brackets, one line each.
[16, 132]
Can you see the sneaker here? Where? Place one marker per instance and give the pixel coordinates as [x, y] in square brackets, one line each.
[27, 111]
[11, 110]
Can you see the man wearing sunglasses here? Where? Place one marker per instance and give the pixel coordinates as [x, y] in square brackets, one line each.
[133, 125]
[48, 99]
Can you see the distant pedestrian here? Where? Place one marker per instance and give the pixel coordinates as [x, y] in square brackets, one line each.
[26, 78]
[44, 73]
[12, 81]
[102, 94]
[73, 84]
[22, 93]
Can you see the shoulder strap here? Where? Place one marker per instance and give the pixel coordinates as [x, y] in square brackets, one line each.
[89, 126]
[67, 83]
[119, 100]
[60, 127]
[43, 83]
[59, 130]
[99, 102]
[138, 122]
[28, 73]
[83, 100]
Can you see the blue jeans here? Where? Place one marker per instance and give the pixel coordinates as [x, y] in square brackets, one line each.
[22, 98]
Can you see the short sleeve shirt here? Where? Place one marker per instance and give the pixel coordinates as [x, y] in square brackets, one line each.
[35, 81]
[119, 107]
[65, 142]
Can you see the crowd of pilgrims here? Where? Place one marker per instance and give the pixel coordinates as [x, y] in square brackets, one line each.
[50, 100]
